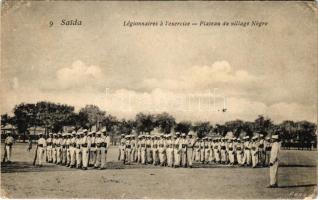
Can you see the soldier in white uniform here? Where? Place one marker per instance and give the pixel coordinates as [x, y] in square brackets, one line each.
[54, 152]
[128, 150]
[73, 150]
[78, 151]
[68, 150]
[121, 154]
[196, 153]
[169, 150]
[247, 151]
[239, 152]
[139, 149]
[183, 152]
[104, 148]
[98, 142]
[143, 150]
[273, 169]
[176, 150]
[133, 146]
[231, 151]
[190, 146]
[149, 149]
[41, 149]
[49, 152]
[268, 148]
[85, 149]
[63, 149]
[155, 150]
[254, 151]
[92, 149]
[207, 150]
[161, 150]
[223, 151]
[8, 146]
[58, 148]
[261, 151]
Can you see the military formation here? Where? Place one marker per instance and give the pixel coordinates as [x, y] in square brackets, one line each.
[181, 150]
[79, 150]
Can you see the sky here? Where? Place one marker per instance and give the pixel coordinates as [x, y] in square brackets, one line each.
[190, 72]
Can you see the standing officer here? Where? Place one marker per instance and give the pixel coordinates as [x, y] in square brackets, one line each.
[155, 150]
[49, 142]
[206, 150]
[8, 147]
[190, 145]
[183, 143]
[85, 149]
[217, 150]
[41, 149]
[273, 169]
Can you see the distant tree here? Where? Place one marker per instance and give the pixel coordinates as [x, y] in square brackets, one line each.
[6, 119]
[145, 123]
[235, 126]
[202, 128]
[165, 122]
[262, 124]
[126, 126]
[110, 122]
[183, 127]
[94, 115]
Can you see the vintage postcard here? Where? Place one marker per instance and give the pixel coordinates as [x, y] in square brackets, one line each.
[159, 99]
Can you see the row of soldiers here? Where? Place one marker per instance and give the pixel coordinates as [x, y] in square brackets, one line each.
[75, 150]
[181, 150]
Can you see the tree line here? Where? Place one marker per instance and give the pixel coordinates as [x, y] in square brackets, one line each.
[53, 117]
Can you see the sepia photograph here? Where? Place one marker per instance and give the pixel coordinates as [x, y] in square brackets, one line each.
[159, 99]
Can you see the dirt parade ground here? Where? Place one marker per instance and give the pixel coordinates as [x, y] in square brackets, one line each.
[297, 179]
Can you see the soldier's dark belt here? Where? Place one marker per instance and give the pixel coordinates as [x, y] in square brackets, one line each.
[223, 148]
[67, 146]
[138, 146]
[84, 145]
[53, 145]
[253, 148]
[73, 145]
[216, 147]
[190, 146]
[98, 145]
[247, 148]
[78, 147]
[143, 145]
[155, 146]
[40, 145]
[49, 143]
[238, 148]
[148, 146]
[206, 147]
[93, 145]
[169, 146]
[261, 146]
[176, 146]
[230, 149]
[103, 145]
[161, 145]
[128, 146]
[268, 148]
[183, 146]
[58, 145]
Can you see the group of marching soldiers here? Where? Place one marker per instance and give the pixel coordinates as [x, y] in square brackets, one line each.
[181, 150]
[80, 149]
